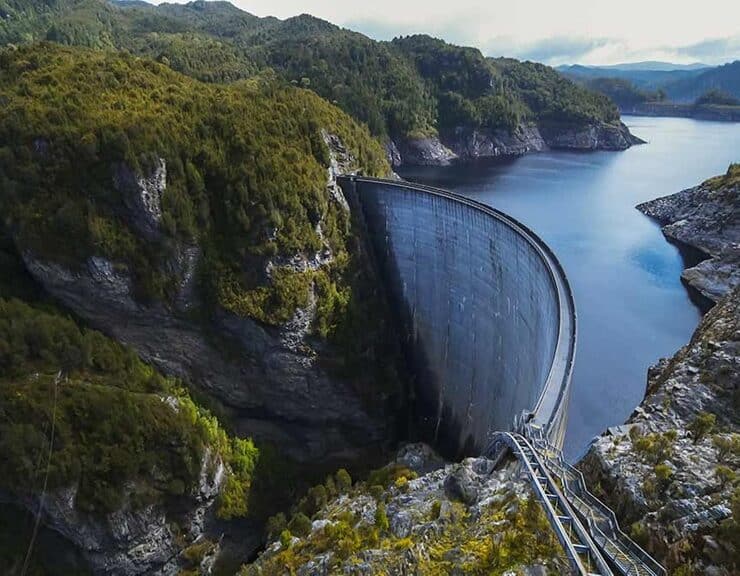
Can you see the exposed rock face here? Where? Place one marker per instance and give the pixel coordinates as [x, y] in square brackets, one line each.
[469, 144]
[273, 382]
[142, 195]
[424, 152]
[452, 519]
[132, 540]
[592, 137]
[706, 218]
[393, 154]
[658, 471]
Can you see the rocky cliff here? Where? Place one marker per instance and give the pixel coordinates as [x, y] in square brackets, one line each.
[134, 539]
[419, 515]
[205, 231]
[707, 219]
[466, 143]
[671, 471]
[274, 382]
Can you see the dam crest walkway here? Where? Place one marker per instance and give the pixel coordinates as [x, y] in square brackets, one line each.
[586, 528]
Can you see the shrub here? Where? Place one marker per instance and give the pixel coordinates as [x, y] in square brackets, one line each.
[702, 425]
[401, 483]
[381, 518]
[725, 475]
[663, 474]
[275, 525]
[728, 447]
[655, 447]
[436, 508]
[285, 539]
[300, 525]
[343, 480]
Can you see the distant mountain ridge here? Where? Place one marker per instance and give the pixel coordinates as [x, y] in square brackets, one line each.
[681, 85]
[647, 65]
[451, 100]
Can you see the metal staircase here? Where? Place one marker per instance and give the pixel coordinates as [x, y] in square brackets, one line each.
[586, 528]
[625, 555]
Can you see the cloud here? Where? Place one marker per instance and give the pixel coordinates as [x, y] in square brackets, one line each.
[553, 50]
[454, 30]
[554, 32]
[714, 50]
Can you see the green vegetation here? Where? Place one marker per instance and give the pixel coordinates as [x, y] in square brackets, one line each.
[702, 425]
[730, 179]
[410, 87]
[117, 423]
[654, 447]
[726, 476]
[728, 447]
[506, 534]
[552, 99]
[623, 92]
[246, 174]
[717, 98]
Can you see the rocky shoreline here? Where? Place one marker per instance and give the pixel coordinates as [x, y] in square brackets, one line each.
[466, 144]
[705, 218]
[711, 112]
[670, 472]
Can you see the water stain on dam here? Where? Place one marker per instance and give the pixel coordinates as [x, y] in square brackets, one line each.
[485, 311]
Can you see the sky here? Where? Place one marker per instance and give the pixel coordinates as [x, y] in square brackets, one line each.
[550, 31]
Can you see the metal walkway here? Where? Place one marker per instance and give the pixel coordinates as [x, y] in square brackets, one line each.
[586, 528]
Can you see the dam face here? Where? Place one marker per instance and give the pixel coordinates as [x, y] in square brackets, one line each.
[486, 314]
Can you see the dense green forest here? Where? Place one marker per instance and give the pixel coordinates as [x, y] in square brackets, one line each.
[246, 181]
[624, 92]
[246, 172]
[410, 87]
[717, 98]
[627, 95]
[78, 409]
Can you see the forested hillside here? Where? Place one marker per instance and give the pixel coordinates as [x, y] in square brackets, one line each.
[162, 202]
[71, 116]
[411, 87]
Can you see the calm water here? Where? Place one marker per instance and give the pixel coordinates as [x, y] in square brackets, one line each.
[632, 307]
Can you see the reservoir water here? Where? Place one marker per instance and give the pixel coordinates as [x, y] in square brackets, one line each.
[632, 307]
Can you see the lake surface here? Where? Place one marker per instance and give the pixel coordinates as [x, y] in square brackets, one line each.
[632, 307]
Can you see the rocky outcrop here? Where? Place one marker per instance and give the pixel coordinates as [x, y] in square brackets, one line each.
[142, 196]
[706, 218]
[465, 143]
[429, 518]
[428, 151]
[670, 470]
[471, 144]
[135, 539]
[271, 379]
[600, 136]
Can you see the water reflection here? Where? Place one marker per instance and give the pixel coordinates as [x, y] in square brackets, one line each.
[631, 304]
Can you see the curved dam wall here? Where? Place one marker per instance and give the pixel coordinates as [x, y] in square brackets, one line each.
[486, 313]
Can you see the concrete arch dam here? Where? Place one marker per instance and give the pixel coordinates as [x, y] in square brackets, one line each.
[487, 317]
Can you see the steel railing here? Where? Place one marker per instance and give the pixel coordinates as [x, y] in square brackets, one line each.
[622, 551]
[580, 549]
